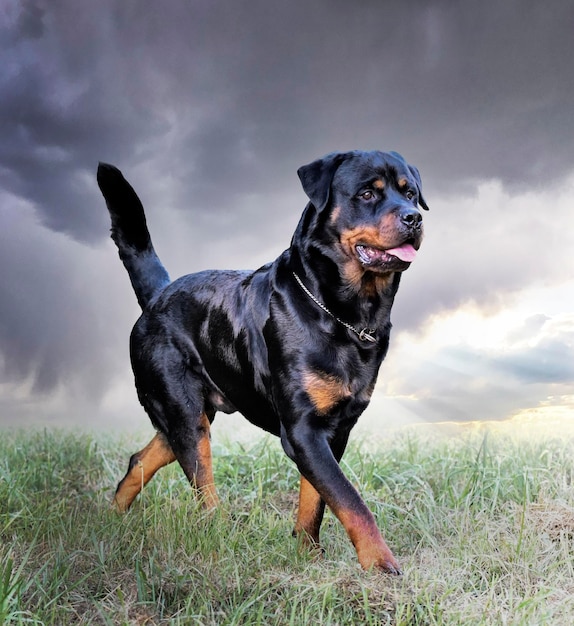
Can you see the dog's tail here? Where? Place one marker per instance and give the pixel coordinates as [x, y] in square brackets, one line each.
[131, 236]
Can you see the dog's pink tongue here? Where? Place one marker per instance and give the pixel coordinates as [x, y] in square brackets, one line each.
[406, 252]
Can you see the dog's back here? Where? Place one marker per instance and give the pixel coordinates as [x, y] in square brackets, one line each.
[215, 320]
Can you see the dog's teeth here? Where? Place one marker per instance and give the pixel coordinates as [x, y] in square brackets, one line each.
[365, 254]
[368, 254]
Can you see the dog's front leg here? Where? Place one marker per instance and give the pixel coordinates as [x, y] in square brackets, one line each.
[311, 505]
[310, 450]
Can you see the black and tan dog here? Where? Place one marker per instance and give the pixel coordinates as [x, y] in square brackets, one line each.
[294, 346]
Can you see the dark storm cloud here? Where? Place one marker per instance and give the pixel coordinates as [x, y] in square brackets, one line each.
[245, 92]
[210, 107]
[58, 113]
[56, 298]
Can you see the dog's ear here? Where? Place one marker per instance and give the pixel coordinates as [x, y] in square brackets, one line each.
[316, 177]
[414, 171]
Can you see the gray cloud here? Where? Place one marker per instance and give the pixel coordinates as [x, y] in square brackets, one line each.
[484, 249]
[63, 321]
[548, 360]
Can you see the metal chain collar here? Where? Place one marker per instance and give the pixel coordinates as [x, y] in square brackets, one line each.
[365, 334]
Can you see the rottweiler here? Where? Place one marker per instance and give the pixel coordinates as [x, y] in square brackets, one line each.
[294, 346]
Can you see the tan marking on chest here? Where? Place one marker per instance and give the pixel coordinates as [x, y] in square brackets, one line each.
[325, 390]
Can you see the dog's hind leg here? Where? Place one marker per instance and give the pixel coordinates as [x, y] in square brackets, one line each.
[142, 466]
[173, 395]
[194, 456]
[309, 514]
[174, 399]
[192, 447]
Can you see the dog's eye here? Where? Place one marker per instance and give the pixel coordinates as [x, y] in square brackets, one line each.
[410, 194]
[367, 195]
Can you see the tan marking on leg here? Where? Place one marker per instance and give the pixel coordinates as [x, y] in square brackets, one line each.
[309, 514]
[204, 481]
[143, 465]
[325, 390]
[372, 550]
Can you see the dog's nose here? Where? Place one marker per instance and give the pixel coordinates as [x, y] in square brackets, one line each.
[410, 217]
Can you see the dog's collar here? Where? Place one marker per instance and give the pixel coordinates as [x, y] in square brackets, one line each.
[365, 334]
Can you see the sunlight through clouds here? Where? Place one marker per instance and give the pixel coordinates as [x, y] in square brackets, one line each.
[471, 366]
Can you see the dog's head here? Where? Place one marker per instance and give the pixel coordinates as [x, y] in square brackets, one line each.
[365, 210]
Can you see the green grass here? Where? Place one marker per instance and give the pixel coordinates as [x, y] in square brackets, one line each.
[483, 526]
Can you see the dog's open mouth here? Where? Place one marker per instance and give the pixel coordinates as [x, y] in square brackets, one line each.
[370, 256]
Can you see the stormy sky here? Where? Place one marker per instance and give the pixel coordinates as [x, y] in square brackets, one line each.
[209, 108]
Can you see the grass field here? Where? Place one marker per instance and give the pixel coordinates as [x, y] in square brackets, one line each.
[483, 526]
